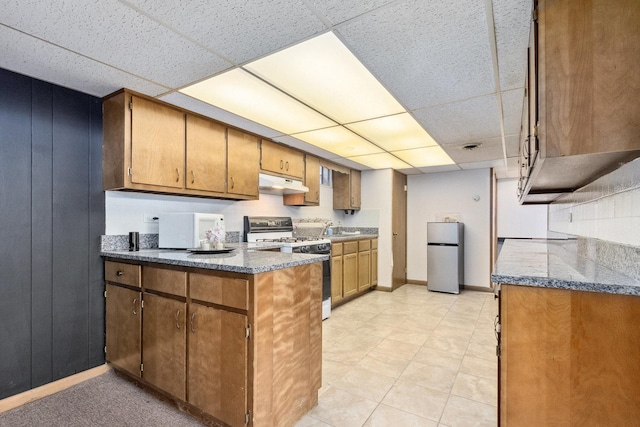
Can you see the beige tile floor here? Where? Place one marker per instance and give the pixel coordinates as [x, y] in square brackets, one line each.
[409, 358]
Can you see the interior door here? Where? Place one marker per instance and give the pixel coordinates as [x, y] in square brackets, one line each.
[399, 229]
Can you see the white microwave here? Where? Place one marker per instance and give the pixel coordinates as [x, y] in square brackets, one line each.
[186, 230]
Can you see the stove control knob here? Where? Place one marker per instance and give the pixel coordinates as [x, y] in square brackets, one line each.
[304, 249]
[323, 247]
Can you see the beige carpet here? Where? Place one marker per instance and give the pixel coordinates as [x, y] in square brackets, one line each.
[107, 400]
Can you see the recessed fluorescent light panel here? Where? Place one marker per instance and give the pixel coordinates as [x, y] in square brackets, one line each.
[423, 157]
[241, 93]
[340, 141]
[325, 75]
[318, 92]
[381, 161]
[397, 132]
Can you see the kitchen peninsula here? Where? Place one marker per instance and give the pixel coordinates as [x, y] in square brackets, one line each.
[569, 341]
[234, 339]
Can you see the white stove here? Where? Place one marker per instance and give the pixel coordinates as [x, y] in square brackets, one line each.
[270, 230]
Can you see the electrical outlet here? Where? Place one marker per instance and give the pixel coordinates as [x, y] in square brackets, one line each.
[149, 218]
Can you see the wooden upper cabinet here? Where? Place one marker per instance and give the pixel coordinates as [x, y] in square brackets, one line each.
[311, 180]
[243, 164]
[152, 146]
[585, 69]
[157, 144]
[281, 160]
[347, 190]
[206, 155]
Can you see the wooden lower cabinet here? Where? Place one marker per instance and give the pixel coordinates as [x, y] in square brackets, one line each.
[568, 358]
[374, 267]
[217, 368]
[164, 344]
[124, 321]
[336, 279]
[349, 274]
[232, 349]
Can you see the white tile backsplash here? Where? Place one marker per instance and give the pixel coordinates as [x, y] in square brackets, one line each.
[607, 209]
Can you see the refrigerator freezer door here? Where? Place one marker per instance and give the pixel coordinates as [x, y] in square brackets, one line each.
[442, 268]
[443, 232]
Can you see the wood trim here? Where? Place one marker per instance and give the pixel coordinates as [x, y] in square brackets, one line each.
[476, 288]
[417, 282]
[51, 388]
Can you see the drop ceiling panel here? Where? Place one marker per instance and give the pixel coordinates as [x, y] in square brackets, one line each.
[41, 60]
[112, 33]
[512, 107]
[240, 31]
[337, 11]
[511, 19]
[426, 53]
[491, 149]
[513, 144]
[463, 121]
[445, 168]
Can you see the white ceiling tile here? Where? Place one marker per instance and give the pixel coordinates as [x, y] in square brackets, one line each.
[337, 11]
[192, 104]
[491, 149]
[513, 144]
[482, 165]
[240, 31]
[41, 60]
[512, 18]
[426, 53]
[512, 109]
[510, 172]
[112, 33]
[412, 171]
[463, 121]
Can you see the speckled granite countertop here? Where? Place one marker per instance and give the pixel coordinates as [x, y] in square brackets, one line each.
[346, 237]
[244, 259]
[556, 264]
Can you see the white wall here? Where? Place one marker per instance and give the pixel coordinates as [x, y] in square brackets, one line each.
[516, 220]
[607, 209]
[125, 210]
[431, 197]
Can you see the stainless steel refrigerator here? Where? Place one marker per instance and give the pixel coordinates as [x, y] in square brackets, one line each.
[445, 256]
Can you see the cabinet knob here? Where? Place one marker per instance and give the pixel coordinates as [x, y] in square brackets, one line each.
[395, 234]
[119, 273]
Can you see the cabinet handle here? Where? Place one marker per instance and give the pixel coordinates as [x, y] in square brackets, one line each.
[119, 273]
[287, 166]
[281, 164]
[193, 318]
[177, 175]
[395, 234]
[133, 306]
[178, 319]
[193, 177]
[233, 183]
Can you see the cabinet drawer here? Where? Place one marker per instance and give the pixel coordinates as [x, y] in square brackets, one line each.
[163, 280]
[119, 272]
[336, 249]
[219, 290]
[374, 243]
[364, 245]
[350, 247]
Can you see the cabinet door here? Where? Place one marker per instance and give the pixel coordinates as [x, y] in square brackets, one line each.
[374, 267]
[336, 279]
[206, 155]
[123, 327]
[243, 163]
[355, 188]
[364, 270]
[281, 160]
[157, 144]
[350, 274]
[164, 344]
[312, 179]
[218, 363]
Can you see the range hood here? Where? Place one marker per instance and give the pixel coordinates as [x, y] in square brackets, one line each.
[270, 184]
